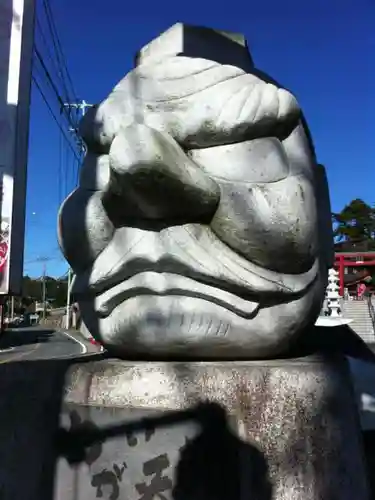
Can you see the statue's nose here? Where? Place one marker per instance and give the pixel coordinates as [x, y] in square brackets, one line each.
[151, 178]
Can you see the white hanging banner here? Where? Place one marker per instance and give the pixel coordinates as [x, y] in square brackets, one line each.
[16, 48]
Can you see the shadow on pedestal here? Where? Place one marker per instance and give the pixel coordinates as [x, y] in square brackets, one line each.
[210, 464]
[214, 463]
[218, 465]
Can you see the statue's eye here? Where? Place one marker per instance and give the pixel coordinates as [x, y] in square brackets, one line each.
[258, 160]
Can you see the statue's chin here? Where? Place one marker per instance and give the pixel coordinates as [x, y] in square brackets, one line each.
[179, 326]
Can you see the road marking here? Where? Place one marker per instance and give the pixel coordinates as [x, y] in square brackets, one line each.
[16, 357]
[84, 348]
[7, 349]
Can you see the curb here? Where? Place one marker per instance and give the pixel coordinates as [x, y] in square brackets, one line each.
[91, 344]
[97, 344]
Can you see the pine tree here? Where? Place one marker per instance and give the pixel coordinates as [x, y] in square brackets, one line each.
[354, 227]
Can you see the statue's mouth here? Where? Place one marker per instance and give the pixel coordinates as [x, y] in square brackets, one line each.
[209, 270]
[151, 283]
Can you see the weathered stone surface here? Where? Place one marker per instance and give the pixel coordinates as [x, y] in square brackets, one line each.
[363, 374]
[192, 41]
[201, 226]
[290, 431]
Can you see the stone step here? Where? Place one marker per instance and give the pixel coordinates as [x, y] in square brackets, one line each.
[362, 319]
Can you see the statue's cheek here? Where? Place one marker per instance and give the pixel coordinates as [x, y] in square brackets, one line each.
[84, 228]
[273, 225]
[259, 160]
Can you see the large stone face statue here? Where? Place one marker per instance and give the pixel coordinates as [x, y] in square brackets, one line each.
[201, 224]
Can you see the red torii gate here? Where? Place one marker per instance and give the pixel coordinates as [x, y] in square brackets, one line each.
[351, 259]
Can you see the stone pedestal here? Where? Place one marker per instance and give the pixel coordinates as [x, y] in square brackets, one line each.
[283, 430]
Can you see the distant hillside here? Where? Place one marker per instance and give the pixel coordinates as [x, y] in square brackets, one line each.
[56, 290]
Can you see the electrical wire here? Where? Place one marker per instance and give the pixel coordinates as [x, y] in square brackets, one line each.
[63, 109]
[52, 60]
[57, 44]
[60, 68]
[77, 169]
[54, 84]
[60, 171]
[53, 80]
[38, 86]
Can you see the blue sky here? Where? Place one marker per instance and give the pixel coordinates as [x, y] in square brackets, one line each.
[323, 50]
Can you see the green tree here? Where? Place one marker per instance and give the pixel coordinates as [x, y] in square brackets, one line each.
[56, 290]
[32, 288]
[354, 227]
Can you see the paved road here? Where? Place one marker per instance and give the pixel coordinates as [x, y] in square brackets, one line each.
[34, 343]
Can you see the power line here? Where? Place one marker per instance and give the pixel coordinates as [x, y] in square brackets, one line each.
[61, 169]
[76, 172]
[81, 107]
[60, 68]
[54, 83]
[57, 44]
[55, 89]
[54, 116]
[56, 69]
[38, 260]
[55, 78]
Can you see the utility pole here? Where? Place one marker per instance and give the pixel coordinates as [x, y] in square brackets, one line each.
[67, 324]
[82, 108]
[2, 315]
[12, 309]
[43, 281]
[44, 290]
